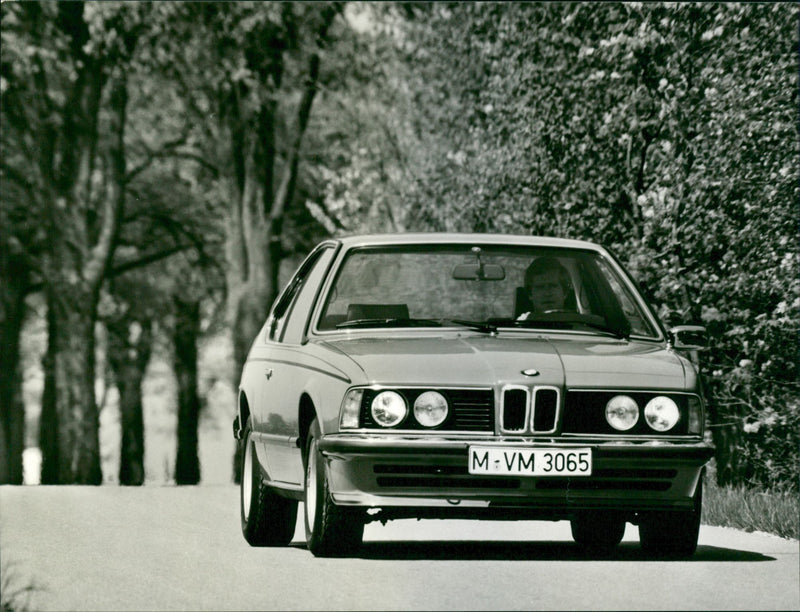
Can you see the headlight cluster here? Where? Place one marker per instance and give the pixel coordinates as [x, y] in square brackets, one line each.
[661, 413]
[390, 409]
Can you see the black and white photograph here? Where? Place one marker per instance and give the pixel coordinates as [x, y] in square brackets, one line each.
[399, 305]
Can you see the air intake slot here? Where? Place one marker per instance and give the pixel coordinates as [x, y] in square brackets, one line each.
[515, 409]
[430, 477]
[545, 409]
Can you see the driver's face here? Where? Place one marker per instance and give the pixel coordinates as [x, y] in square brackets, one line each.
[546, 292]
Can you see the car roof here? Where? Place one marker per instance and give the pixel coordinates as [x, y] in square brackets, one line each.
[462, 238]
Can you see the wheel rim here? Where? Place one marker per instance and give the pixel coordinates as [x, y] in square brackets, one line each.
[311, 485]
[247, 479]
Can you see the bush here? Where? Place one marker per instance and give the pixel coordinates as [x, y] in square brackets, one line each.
[757, 415]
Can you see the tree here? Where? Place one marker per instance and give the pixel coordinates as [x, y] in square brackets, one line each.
[64, 94]
[130, 339]
[20, 248]
[15, 286]
[186, 332]
[249, 74]
[358, 144]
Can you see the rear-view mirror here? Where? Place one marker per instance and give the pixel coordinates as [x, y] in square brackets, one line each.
[479, 271]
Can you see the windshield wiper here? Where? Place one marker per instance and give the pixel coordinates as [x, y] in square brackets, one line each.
[481, 326]
[387, 322]
[402, 322]
[559, 324]
[614, 331]
[486, 327]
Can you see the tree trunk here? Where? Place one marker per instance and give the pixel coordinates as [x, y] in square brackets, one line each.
[69, 429]
[727, 438]
[255, 223]
[48, 420]
[128, 354]
[14, 287]
[187, 331]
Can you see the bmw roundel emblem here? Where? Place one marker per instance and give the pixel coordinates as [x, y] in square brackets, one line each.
[530, 372]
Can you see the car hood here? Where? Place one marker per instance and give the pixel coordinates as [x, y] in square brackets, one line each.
[480, 360]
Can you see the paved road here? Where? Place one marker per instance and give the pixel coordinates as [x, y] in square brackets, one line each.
[170, 548]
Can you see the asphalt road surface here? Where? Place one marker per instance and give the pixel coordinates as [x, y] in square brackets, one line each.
[180, 548]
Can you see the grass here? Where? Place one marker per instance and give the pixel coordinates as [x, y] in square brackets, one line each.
[15, 592]
[751, 510]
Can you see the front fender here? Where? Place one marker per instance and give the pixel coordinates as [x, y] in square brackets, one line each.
[326, 394]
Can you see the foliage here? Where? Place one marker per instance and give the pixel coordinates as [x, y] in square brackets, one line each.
[246, 75]
[357, 149]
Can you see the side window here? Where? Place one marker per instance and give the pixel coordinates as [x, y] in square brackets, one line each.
[277, 316]
[289, 327]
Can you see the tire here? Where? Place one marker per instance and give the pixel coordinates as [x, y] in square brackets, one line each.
[598, 533]
[672, 534]
[331, 530]
[267, 518]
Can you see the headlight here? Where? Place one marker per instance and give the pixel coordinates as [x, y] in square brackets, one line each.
[622, 412]
[388, 408]
[351, 407]
[430, 409]
[661, 413]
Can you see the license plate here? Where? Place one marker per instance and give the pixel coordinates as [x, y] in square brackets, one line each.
[530, 461]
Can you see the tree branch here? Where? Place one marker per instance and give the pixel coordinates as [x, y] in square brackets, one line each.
[148, 259]
[152, 155]
[127, 266]
[14, 175]
[113, 202]
[287, 184]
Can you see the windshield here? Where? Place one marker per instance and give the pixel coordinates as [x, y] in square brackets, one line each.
[486, 287]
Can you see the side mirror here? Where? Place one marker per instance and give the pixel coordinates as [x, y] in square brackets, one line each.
[689, 337]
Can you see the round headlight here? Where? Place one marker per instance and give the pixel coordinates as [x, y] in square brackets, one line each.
[430, 409]
[622, 412]
[388, 408]
[661, 413]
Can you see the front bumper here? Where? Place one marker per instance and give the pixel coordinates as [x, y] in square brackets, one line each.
[416, 476]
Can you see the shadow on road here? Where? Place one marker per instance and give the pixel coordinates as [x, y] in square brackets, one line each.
[530, 551]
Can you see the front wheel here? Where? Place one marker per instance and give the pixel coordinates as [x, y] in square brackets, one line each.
[331, 530]
[597, 532]
[267, 518]
[672, 534]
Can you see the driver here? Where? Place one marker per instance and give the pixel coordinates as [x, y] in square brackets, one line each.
[548, 285]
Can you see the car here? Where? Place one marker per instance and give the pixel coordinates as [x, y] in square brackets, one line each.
[470, 376]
